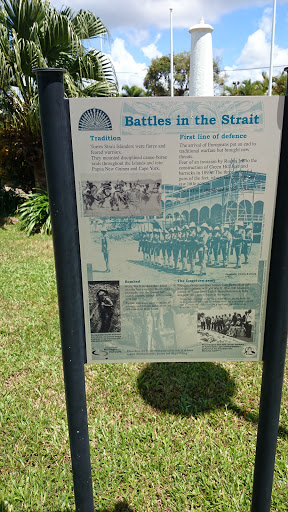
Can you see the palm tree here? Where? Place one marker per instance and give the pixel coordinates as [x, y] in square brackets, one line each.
[33, 34]
[279, 84]
[133, 91]
[247, 88]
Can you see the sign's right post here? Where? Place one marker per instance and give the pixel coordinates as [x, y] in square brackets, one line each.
[275, 340]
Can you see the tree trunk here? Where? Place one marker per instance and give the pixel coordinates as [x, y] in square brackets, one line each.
[36, 161]
[39, 174]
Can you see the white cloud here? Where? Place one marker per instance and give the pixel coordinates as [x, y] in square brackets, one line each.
[137, 36]
[128, 71]
[151, 51]
[265, 24]
[132, 15]
[256, 54]
[134, 20]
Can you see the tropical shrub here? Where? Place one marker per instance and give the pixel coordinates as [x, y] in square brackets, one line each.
[33, 34]
[34, 213]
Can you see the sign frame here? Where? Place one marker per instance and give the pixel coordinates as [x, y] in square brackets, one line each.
[213, 169]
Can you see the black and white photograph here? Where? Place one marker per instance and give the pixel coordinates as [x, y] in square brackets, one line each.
[160, 328]
[104, 304]
[213, 230]
[197, 249]
[118, 197]
[218, 326]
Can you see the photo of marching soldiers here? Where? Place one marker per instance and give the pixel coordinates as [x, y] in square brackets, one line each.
[191, 249]
[118, 198]
[212, 225]
[216, 326]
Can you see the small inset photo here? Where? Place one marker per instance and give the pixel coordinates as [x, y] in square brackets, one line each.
[121, 198]
[215, 325]
[104, 304]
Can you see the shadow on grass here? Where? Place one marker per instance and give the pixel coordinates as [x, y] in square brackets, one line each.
[254, 418]
[64, 510]
[283, 432]
[120, 506]
[189, 389]
[186, 389]
[3, 507]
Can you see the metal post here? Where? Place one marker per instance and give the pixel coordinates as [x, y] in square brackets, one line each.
[171, 56]
[56, 136]
[275, 340]
[272, 49]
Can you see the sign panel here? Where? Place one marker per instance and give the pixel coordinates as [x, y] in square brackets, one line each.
[175, 201]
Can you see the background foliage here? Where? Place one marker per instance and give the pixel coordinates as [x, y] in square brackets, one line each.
[35, 35]
[157, 80]
[9, 201]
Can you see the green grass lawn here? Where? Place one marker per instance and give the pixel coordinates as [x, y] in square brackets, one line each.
[164, 437]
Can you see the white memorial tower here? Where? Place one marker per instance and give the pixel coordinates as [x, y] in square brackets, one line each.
[201, 60]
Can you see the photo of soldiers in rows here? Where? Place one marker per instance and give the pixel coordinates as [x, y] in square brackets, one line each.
[187, 248]
[236, 325]
[119, 197]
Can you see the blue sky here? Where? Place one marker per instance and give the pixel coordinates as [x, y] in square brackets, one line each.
[140, 31]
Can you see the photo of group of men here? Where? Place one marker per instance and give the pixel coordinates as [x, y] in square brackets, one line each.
[232, 324]
[121, 198]
[182, 248]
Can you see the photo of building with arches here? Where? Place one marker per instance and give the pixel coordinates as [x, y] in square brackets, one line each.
[237, 197]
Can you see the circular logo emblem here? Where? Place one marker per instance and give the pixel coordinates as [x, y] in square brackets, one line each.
[249, 351]
[100, 354]
[94, 119]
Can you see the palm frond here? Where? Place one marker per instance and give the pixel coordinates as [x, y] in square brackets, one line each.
[22, 14]
[100, 88]
[88, 26]
[33, 34]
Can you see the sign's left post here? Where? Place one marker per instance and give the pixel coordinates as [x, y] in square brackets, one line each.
[57, 146]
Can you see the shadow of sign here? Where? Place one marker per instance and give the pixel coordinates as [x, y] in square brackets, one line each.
[189, 389]
[186, 389]
[120, 506]
[64, 510]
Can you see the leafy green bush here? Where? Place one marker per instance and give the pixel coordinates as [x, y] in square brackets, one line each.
[35, 213]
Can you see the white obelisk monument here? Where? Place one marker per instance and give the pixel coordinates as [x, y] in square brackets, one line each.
[201, 60]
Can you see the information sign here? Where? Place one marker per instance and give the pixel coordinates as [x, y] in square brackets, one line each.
[175, 200]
